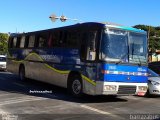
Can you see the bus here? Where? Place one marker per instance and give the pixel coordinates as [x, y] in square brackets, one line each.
[86, 58]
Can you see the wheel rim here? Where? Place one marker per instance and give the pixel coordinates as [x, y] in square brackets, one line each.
[76, 86]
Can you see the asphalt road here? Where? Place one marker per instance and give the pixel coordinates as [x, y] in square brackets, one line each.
[17, 102]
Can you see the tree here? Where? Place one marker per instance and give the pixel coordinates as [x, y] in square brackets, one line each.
[3, 43]
[142, 27]
[157, 28]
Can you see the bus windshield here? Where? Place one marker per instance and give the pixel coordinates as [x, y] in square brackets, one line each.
[2, 59]
[123, 46]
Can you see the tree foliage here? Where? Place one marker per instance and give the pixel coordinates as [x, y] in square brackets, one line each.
[3, 43]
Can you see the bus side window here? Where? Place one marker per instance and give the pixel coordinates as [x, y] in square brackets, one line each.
[22, 42]
[50, 42]
[14, 42]
[63, 38]
[18, 42]
[55, 39]
[10, 45]
[73, 39]
[88, 46]
[31, 41]
[42, 40]
[26, 41]
[83, 47]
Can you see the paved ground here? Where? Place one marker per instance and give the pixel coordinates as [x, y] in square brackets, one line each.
[17, 103]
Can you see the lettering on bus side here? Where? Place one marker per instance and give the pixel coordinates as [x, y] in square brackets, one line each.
[54, 58]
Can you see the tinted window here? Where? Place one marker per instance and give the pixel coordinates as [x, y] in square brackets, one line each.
[14, 42]
[73, 39]
[63, 40]
[22, 42]
[42, 39]
[2, 59]
[88, 45]
[54, 39]
[10, 45]
[31, 41]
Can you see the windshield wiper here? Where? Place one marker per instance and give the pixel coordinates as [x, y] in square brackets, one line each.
[120, 61]
[139, 61]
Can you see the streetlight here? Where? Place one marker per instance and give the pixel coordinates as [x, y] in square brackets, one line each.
[62, 18]
[54, 18]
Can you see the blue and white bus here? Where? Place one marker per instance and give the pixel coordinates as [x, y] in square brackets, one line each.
[91, 58]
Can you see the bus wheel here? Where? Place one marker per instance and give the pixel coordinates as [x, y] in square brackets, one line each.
[75, 86]
[22, 73]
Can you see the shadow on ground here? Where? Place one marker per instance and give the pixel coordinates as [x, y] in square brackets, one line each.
[12, 84]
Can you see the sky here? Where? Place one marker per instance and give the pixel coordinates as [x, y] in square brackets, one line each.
[33, 15]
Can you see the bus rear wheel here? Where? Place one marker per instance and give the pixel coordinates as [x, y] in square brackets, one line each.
[75, 86]
[22, 73]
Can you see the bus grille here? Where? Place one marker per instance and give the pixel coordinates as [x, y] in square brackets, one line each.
[123, 89]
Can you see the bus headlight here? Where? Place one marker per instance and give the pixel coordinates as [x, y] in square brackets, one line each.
[142, 88]
[110, 88]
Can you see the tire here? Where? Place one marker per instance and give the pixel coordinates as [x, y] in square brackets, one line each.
[22, 73]
[75, 86]
[148, 93]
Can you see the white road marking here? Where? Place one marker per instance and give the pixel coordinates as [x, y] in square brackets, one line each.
[4, 95]
[132, 97]
[96, 110]
[8, 116]
[2, 112]
[101, 111]
[20, 100]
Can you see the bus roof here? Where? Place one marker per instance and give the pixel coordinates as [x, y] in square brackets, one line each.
[127, 28]
[118, 26]
[105, 24]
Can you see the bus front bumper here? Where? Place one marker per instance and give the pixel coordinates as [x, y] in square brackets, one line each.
[118, 88]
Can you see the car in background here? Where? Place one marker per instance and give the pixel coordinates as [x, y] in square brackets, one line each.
[3, 62]
[153, 83]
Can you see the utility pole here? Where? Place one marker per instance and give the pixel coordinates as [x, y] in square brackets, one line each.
[148, 32]
[149, 49]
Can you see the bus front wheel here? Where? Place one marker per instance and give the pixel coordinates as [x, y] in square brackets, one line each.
[75, 86]
[22, 73]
